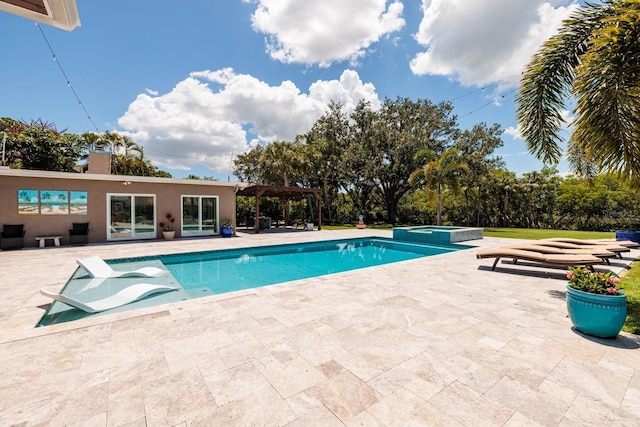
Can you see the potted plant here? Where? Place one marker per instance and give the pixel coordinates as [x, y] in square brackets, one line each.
[595, 303]
[167, 227]
[226, 227]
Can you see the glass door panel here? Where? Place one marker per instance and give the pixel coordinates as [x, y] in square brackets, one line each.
[209, 214]
[190, 215]
[120, 207]
[132, 216]
[199, 215]
[144, 217]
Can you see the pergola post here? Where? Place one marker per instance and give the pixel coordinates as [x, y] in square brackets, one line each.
[256, 225]
[319, 198]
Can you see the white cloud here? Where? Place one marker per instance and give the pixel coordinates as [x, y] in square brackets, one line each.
[348, 91]
[514, 132]
[324, 31]
[211, 115]
[484, 42]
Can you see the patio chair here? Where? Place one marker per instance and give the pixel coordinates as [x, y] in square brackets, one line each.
[96, 267]
[611, 247]
[125, 296]
[79, 234]
[12, 236]
[565, 260]
[602, 253]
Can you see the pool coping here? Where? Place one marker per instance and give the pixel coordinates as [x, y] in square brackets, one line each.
[179, 305]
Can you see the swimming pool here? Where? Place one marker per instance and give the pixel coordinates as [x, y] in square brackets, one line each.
[215, 272]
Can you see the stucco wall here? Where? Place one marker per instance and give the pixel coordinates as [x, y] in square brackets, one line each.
[168, 200]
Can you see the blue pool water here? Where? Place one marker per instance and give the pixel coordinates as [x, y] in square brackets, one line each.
[215, 272]
[231, 270]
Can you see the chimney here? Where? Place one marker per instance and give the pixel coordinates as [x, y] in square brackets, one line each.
[99, 162]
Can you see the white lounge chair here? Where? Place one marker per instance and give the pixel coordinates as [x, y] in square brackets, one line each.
[125, 296]
[96, 267]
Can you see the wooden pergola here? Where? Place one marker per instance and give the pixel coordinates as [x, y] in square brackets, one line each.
[284, 193]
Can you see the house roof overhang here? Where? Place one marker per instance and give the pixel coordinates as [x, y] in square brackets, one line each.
[57, 13]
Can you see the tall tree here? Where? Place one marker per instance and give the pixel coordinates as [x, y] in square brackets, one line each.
[595, 59]
[247, 166]
[280, 162]
[403, 128]
[441, 173]
[356, 155]
[477, 147]
[326, 138]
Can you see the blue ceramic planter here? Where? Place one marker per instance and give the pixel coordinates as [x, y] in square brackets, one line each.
[226, 230]
[597, 315]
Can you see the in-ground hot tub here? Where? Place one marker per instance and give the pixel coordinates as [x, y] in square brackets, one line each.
[432, 234]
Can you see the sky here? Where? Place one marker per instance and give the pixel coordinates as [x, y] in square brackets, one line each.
[197, 82]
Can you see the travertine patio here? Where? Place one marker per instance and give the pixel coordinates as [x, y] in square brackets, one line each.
[436, 341]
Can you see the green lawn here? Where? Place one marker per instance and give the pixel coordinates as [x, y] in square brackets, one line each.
[534, 234]
[631, 287]
[630, 281]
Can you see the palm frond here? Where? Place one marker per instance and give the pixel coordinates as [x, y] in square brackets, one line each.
[548, 77]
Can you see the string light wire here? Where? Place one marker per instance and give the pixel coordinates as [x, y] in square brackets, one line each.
[55, 58]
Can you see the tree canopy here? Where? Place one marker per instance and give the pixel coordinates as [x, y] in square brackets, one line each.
[39, 145]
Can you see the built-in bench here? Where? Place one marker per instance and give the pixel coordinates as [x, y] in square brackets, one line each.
[42, 240]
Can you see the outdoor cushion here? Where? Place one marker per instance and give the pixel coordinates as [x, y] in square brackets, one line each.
[79, 228]
[13, 230]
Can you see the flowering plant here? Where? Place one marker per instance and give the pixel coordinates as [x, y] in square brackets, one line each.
[592, 282]
[168, 224]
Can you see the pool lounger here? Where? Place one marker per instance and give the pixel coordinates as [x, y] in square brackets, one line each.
[594, 250]
[125, 296]
[96, 267]
[565, 260]
[611, 247]
[625, 243]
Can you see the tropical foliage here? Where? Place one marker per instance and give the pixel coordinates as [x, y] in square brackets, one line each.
[593, 60]
[39, 145]
[364, 162]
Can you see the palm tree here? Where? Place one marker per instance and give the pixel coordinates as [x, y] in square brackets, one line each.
[280, 161]
[439, 174]
[594, 59]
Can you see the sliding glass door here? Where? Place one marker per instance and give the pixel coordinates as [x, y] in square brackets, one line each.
[132, 216]
[199, 215]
